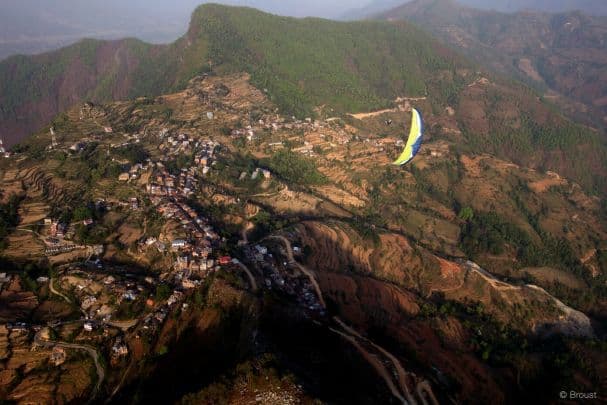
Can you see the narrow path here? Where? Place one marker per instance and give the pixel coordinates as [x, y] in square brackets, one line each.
[424, 390]
[249, 274]
[120, 384]
[362, 116]
[303, 269]
[272, 194]
[52, 289]
[402, 374]
[65, 297]
[90, 350]
[22, 229]
[448, 289]
[490, 278]
[377, 365]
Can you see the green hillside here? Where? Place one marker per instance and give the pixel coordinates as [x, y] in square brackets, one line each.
[304, 64]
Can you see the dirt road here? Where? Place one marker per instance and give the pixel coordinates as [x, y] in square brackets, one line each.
[90, 350]
[303, 269]
[375, 363]
[250, 275]
[400, 371]
[52, 289]
[374, 354]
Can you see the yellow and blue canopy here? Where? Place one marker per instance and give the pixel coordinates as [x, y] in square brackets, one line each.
[414, 142]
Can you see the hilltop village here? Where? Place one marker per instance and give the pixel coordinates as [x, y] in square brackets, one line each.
[100, 287]
[119, 305]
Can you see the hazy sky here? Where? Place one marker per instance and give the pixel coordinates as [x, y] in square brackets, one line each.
[33, 26]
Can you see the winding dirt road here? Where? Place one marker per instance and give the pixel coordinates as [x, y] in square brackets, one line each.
[375, 363]
[52, 289]
[373, 353]
[90, 350]
[249, 274]
[303, 269]
[402, 374]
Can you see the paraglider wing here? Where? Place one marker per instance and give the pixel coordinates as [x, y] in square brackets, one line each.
[415, 139]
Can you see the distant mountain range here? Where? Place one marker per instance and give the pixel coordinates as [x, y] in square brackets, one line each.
[559, 54]
[595, 7]
[592, 7]
[352, 67]
[34, 26]
[370, 9]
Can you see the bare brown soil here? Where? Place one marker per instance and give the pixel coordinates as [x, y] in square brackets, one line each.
[15, 302]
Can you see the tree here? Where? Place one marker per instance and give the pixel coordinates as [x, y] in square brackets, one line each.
[466, 213]
[163, 292]
[81, 213]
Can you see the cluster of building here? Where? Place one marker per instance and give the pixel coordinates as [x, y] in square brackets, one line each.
[59, 249]
[164, 184]
[119, 349]
[281, 277]
[265, 173]
[100, 293]
[153, 320]
[280, 124]
[203, 150]
[193, 253]
[58, 235]
[3, 150]
[134, 172]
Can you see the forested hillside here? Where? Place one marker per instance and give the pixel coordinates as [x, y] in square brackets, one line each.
[308, 66]
[561, 55]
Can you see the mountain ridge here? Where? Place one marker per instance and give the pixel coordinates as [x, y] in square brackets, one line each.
[153, 69]
[595, 7]
[561, 55]
[347, 67]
